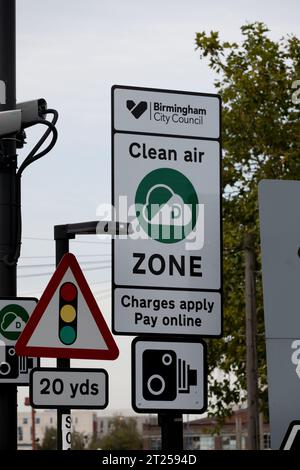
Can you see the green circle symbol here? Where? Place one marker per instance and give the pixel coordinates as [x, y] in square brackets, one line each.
[12, 321]
[166, 205]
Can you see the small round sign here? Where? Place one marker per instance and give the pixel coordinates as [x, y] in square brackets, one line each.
[12, 321]
[166, 205]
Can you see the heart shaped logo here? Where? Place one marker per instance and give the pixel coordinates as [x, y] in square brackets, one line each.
[136, 109]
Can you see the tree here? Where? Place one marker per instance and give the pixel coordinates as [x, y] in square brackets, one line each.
[261, 139]
[77, 440]
[95, 443]
[49, 441]
[123, 435]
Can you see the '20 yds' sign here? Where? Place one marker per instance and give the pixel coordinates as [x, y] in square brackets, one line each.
[69, 388]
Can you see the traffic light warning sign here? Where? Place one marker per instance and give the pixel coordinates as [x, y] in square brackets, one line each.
[67, 322]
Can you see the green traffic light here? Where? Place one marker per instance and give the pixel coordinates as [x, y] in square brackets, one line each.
[67, 335]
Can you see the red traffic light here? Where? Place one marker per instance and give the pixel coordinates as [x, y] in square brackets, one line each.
[68, 291]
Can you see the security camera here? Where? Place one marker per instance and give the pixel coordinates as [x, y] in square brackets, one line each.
[32, 111]
[26, 114]
[10, 122]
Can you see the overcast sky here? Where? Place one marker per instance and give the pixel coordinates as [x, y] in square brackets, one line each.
[71, 52]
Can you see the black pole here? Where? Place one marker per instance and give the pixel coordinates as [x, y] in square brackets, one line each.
[171, 431]
[61, 247]
[8, 205]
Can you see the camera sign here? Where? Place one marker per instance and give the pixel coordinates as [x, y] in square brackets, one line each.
[169, 376]
[14, 314]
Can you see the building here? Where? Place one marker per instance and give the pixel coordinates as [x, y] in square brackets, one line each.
[82, 422]
[199, 434]
[89, 423]
[103, 423]
[203, 434]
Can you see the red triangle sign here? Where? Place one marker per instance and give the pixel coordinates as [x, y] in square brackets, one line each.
[67, 322]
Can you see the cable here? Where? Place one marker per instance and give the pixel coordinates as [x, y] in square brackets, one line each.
[51, 273]
[91, 284]
[31, 293]
[33, 156]
[77, 256]
[73, 241]
[103, 296]
[24, 266]
[11, 260]
[102, 291]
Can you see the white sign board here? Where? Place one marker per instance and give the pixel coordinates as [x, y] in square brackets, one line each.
[69, 388]
[169, 112]
[168, 312]
[280, 243]
[168, 376]
[280, 249]
[167, 186]
[14, 314]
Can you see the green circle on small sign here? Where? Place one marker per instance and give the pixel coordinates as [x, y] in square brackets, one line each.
[12, 321]
[166, 205]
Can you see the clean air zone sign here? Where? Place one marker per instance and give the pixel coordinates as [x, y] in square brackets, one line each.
[166, 183]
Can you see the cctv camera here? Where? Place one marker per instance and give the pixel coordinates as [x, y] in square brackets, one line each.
[10, 122]
[25, 114]
[32, 111]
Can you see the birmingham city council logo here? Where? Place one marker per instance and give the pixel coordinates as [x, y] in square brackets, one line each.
[136, 109]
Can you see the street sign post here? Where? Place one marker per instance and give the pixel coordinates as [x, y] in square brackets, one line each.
[166, 183]
[280, 243]
[69, 388]
[67, 322]
[169, 376]
[66, 426]
[14, 314]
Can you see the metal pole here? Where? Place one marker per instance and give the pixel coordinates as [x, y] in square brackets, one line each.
[251, 354]
[33, 428]
[62, 247]
[8, 205]
[171, 431]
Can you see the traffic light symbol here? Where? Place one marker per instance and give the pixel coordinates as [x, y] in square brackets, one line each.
[68, 300]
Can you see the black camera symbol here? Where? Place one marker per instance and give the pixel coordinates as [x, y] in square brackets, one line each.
[11, 365]
[164, 375]
[9, 362]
